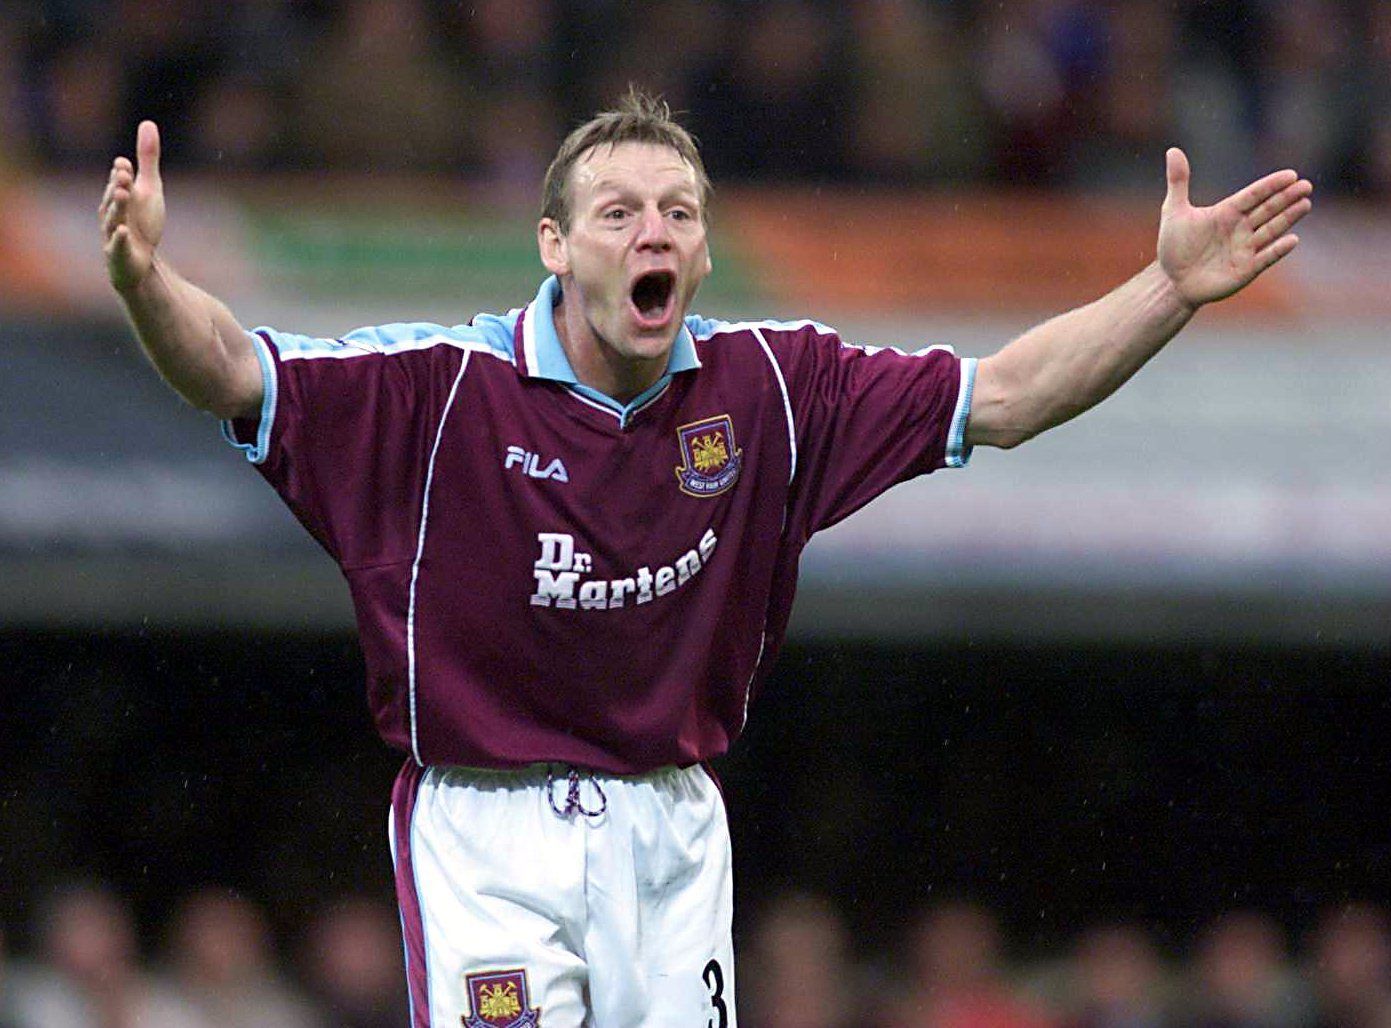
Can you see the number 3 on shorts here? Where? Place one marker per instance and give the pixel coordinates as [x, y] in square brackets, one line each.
[714, 980]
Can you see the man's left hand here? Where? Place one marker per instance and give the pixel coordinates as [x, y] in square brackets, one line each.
[1211, 252]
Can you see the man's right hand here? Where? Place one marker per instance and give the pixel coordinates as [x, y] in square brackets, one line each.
[132, 212]
[188, 334]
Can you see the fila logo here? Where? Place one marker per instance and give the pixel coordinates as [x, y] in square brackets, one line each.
[530, 463]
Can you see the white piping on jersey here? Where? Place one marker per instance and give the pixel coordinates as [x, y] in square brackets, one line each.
[533, 360]
[341, 349]
[420, 550]
[756, 327]
[791, 474]
[870, 351]
[593, 403]
[649, 401]
[721, 327]
[786, 406]
[623, 416]
[758, 663]
[957, 452]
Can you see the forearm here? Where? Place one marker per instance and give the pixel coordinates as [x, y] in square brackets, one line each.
[194, 342]
[1069, 364]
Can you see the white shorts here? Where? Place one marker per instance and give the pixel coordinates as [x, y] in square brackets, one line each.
[517, 913]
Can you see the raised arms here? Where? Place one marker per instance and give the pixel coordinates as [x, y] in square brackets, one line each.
[1063, 367]
[190, 337]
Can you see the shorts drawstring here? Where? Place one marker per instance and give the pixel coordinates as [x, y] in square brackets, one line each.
[573, 804]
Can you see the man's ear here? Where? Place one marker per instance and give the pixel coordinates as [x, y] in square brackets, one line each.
[555, 252]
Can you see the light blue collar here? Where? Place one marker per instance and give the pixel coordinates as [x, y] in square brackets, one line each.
[545, 357]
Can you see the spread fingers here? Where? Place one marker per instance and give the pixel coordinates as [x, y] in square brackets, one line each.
[1258, 192]
[1281, 223]
[119, 179]
[115, 211]
[1276, 204]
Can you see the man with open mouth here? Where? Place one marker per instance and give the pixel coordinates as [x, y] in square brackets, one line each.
[572, 531]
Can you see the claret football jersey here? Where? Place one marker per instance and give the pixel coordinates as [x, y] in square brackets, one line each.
[542, 573]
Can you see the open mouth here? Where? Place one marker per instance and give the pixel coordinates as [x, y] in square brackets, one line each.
[652, 295]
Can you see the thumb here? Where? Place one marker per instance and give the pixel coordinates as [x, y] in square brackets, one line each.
[1176, 170]
[147, 152]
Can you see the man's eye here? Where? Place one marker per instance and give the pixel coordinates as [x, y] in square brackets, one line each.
[681, 214]
[615, 214]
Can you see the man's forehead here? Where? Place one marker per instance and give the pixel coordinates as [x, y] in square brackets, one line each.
[625, 164]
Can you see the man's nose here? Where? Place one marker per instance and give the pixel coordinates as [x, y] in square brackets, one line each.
[653, 231]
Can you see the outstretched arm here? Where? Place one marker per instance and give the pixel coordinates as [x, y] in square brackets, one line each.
[1067, 365]
[189, 336]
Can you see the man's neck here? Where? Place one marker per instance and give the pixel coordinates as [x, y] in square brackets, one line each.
[595, 363]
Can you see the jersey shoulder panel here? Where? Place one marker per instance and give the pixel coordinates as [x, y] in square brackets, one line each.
[806, 346]
[787, 344]
[498, 332]
[772, 325]
[491, 336]
[704, 329]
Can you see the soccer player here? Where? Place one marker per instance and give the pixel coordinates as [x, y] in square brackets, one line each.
[571, 533]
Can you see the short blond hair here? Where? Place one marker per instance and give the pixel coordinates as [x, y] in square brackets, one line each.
[638, 118]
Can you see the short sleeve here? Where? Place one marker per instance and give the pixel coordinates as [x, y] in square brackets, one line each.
[865, 418]
[344, 431]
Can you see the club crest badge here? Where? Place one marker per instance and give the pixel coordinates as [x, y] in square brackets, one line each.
[710, 460]
[499, 999]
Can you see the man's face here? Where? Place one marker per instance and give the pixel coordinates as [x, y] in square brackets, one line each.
[635, 252]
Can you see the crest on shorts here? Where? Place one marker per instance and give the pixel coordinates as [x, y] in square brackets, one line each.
[499, 999]
[709, 459]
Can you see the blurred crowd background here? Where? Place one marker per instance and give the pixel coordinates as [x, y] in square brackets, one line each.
[217, 965]
[1077, 93]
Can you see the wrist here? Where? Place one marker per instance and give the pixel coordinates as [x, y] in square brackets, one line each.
[132, 289]
[1169, 293]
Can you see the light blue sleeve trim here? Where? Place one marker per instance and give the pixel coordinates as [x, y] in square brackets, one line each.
[958, 453]
[258, 451]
